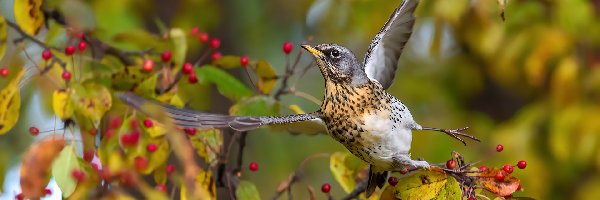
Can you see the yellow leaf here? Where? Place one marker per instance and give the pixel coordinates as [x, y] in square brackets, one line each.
[28, 15]
[207, 144]
[267, 76]
[296, 109]
[92, 101]
[61, 104]
[427, 185]
[205, 187]
[343, 174]
[3, 35]
[10, 103]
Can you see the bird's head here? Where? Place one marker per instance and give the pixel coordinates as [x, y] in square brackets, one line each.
[338, 64]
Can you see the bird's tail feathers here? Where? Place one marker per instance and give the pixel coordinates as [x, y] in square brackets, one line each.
[187, 117]
[376, 179]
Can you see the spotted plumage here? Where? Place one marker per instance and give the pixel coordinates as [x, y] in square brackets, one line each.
[356, 110]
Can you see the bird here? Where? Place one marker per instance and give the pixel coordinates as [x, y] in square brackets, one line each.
[356, 109]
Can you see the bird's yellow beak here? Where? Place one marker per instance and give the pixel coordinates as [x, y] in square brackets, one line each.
[312, 50]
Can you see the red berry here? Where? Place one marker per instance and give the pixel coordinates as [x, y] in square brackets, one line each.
[522, 164]
[192, 78]
[471, 198]
[66, 75]
[148, 123]
[93, 131]
[141, 163]
[253, 166]
[215, 43]
[166, 56]
[79, 34]
[82, 46]
[20, 196]
[170, 169]
[392, 180]
[244, 60]
[88, 155]
[404, 170]
[195, 30]
[451, 164]
[78, 175]
[105, 174]
[499, 148]
[115, 122]
[134, 124]
[483, 168]
[148, 65]
[34, 131]
[203, 37]
[70, 50]
[215, 56]
[190, 131]
[151, 147]
[287, 47]
[95, 166]
[161, 187]
[4, 72]
[48, 191]
[47, 54]
[187, 68]
[325, 188]
[508, 169]
[127, 179]
[499, 176]
[130, 139]
[109, 133]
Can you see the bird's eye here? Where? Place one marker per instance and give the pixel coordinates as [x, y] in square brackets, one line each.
[335, 54]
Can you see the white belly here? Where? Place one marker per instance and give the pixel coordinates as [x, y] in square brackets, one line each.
[391, 138]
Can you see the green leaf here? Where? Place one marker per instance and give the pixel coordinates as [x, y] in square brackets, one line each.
[247, 191]
[427, 185]
[179, 45]
[227, 62]
[3, 35]
[267, 76]
[29, 16]
[147, 87]
[140, 39]
[128, 78]
[159, 157]
[257, 105]
[207, 144]
[62, 168]
[343, 174]
[228, 85]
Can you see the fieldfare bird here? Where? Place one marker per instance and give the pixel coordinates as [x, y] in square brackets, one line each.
[356, 110]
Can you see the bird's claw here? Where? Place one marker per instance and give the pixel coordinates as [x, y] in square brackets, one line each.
[455, 133]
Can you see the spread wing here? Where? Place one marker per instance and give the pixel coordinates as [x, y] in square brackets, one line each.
[189, 118]
[381, 59]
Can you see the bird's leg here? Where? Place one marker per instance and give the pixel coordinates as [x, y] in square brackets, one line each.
[454, 133]
[404, 160]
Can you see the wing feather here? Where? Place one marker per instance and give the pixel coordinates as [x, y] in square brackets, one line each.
[381, 59]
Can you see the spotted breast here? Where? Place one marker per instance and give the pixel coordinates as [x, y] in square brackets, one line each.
[369, 122]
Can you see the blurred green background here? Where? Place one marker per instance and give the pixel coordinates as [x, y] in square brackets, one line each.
[530, 82]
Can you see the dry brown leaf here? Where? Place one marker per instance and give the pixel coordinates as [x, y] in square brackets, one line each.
[36, 165]
[501, 188]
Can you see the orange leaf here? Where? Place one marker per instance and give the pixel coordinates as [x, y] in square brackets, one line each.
[501, 188]
[35, 168]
